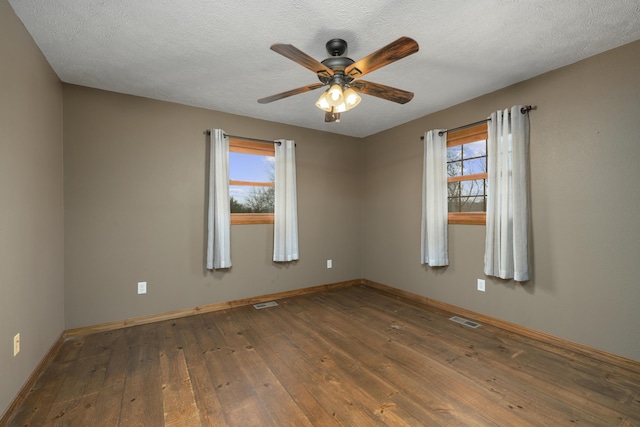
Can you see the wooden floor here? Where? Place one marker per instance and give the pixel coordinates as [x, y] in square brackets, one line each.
[352, 356]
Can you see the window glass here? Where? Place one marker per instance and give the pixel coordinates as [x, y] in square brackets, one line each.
[251, 182]
[467, 175]
[245, 170]
[454, 153]
[475, 149]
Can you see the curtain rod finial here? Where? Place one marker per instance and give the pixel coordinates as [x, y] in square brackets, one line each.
[528, 108]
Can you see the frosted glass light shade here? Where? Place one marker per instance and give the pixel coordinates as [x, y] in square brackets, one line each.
[335, 96]
[323, 102]
[351, 98]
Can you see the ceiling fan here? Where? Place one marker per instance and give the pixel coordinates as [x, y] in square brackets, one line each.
[340, 74]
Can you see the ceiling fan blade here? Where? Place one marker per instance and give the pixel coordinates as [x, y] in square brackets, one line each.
[392, 52]
[303, 89]
[381, 91]
[296, 55]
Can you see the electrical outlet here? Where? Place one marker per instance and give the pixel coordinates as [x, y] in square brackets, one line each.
[329, 263]
[16, 345]
[142, 287]
[481, 285]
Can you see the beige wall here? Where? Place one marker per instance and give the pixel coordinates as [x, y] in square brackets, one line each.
[135, 209]
[585, 152]
[31, 211]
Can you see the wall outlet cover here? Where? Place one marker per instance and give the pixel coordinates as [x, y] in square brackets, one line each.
[16, 345]
[481, 285]
[142, 287]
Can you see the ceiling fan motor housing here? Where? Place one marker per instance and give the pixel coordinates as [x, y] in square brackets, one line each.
[336, 48]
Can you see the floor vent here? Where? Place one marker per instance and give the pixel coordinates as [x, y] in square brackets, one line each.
[464, 322]
[265, 305]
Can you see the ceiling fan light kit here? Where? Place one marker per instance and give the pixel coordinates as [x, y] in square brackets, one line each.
[337, 100]
[340, 74]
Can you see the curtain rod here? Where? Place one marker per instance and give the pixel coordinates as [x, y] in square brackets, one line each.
[523, 110]
[208, 132]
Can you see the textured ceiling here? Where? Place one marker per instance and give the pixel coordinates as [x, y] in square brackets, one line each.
[215, 54]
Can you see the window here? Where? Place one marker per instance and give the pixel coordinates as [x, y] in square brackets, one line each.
[467, 175]
[251, 181]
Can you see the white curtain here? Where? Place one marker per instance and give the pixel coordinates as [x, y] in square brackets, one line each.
[434, 200]
[506, 252]
[219, 215]
[285, 227]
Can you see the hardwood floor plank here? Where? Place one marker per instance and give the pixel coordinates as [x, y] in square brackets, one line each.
[76, 411]
[326, 384]
[278, 404]
[79, 390]
[543, 368]
[203, 389]
[72, 347]
[329, 370]
[271, 352]
[237, 396]
[119, 356]
[350, 356]
[471, 361]
[368, 379]
[305, 363]
[178, 400]
[42, 396]
[378, 350]
[107, 405]
[142, 396]
[579, 388]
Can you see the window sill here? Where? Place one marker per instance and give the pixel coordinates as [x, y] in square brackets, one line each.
[251, 218]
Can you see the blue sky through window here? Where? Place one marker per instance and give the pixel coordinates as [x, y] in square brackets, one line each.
[471, 151]
[248, 167]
